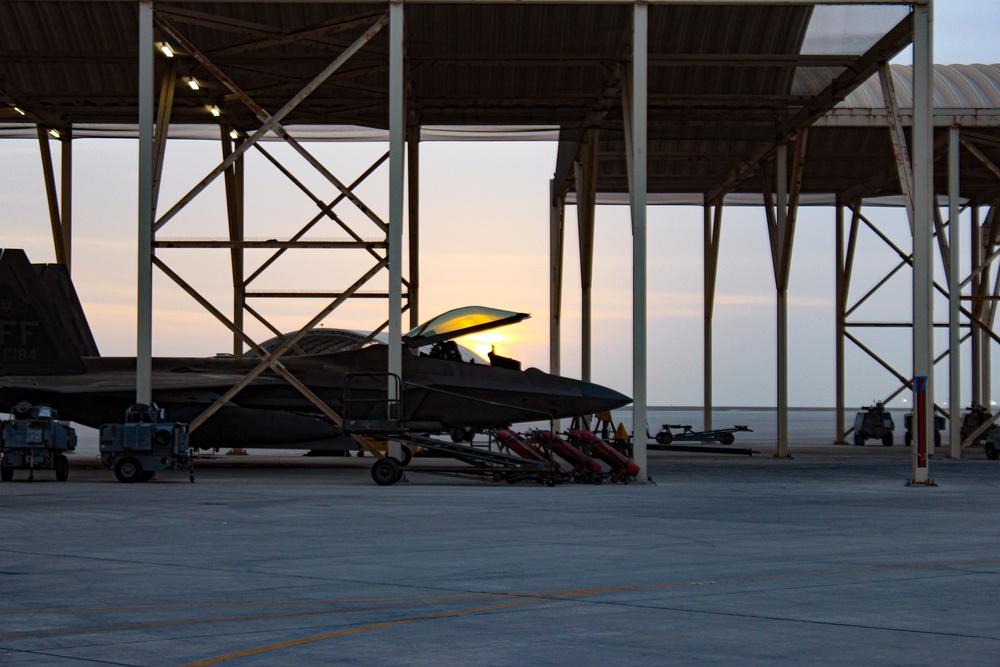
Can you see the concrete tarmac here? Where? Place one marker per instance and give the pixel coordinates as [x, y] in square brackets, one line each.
[824, 559]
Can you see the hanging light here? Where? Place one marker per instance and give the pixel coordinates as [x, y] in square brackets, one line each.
[193, 83]
[19, 110]
[54, 132]
[166, 50]
[215, 111]
[234, 134]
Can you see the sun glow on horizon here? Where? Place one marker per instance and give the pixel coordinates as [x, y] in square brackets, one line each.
[481, 343]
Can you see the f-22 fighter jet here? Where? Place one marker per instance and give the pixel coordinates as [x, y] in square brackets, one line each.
[48, 356]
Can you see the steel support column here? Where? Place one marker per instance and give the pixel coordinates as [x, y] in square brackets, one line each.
[923, 200]
[640, 87]
[586, 207]
[52, 197]
[144, 307]
[413, 202]
[954, 295]
[234, 206]
[976, 260]
[557, 211]
[845, 267]
[712, 231]
[66, 198]
[397, 168]
[781, 302]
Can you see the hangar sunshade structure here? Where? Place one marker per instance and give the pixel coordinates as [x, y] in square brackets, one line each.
[706, 103]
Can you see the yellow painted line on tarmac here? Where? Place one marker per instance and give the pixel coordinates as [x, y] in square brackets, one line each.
[353, 631]
[231, 619]
[218, 605]
[527, 598]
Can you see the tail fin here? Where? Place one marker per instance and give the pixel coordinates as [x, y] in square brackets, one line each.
[43, 330]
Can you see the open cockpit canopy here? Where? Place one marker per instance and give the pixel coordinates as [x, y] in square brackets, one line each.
[460, 322]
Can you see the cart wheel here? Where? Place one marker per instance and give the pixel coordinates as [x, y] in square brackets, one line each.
[664, 437]
[860, 438]
[887, 439]
[407, 455]
[727, 438]
[146, 475]
[128, 471]
[908, 439]
[550, 481]
[991, 452]
[386, 471]
[62, 468]
[6, 473]
[596, 478]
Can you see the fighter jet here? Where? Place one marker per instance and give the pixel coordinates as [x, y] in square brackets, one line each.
[48, 356]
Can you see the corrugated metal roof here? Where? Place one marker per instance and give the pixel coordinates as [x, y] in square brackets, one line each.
[725, 81]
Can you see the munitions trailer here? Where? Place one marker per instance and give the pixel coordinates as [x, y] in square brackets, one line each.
[145, 444]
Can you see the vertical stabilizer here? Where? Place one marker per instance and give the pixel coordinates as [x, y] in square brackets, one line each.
[43, 329]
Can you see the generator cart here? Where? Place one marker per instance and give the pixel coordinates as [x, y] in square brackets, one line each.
[33, 439]
[145, 444]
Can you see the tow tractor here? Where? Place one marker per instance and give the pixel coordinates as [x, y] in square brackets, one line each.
[874, 422]
[33, 439]
[723, 436]
[145, 444]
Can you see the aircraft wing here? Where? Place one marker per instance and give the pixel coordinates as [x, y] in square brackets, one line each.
[124, 381]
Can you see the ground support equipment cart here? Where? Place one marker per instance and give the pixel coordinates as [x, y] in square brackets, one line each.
[33, 439]
[145, 444]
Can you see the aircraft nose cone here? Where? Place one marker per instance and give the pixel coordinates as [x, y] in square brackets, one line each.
[599, 398]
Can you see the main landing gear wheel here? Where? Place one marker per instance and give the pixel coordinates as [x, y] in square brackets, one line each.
[407, 455]
[62, 468]
[664, 437]
[991, 451]
[128, 471]
[6, 473]
[386, 471]
[727, 438]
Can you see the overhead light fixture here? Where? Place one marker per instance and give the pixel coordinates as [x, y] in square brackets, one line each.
[234, 134]
[215, 111]
[54, 132]
[193, 83]
[166, 50]
[19, 110]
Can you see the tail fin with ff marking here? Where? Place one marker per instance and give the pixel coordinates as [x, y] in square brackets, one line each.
[43, 329]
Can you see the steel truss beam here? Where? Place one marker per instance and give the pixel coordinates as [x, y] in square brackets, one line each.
[232, 167]
[890, 44]
[978, 318]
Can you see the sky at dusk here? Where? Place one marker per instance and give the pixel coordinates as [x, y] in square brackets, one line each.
[485, 240]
